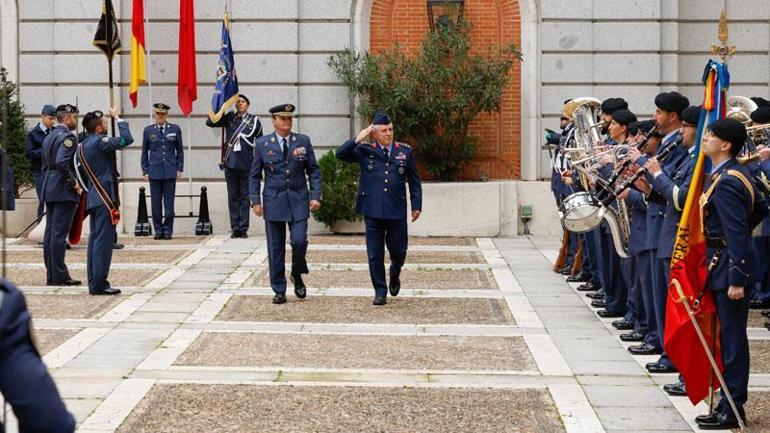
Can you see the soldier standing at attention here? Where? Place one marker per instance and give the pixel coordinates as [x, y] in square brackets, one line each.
[34, 151]
[162, 164]
[386, 168]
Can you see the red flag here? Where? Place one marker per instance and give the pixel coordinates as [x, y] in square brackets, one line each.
[688, 267]
[187, 89]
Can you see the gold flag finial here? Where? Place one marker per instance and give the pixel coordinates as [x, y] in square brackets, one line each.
[723, 51]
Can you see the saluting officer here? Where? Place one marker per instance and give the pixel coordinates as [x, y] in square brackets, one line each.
[96, 158]
[61, 194]
[162, 164]
[386, 168]
[286, 160]
[24, 379]
[731, 207]
[33, 149]
[241, 132]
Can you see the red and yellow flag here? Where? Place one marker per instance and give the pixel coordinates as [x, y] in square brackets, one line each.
[138, 62]
[688, 264]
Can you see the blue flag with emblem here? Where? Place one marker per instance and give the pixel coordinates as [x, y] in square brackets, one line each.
[226, 86]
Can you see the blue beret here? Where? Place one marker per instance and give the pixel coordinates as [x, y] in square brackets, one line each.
[624, 117]
[67, 108]
[381, 118]
[612, 105]
[761, 114]
[48, 110]
[691, 115]
[283, 110]
[672, 102]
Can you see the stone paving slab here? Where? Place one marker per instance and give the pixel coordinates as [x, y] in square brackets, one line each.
[164, 257]
[47, 340]
[439, 279]
[71, 306]
[230, 408]
[117, 277]
[760, 356]
[328, 309]
[358, 351]
[413, 257]
[360, 240]
[142, 240]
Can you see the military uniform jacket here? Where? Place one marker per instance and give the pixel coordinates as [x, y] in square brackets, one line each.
[14, 318]
[382, 189]
[730, 210]
[33, 148]
[162, 154]
[249, 129]
[98, 151]
[637, 239]
[761, 173]
[674, 189]
[58, 150]
[285, 196]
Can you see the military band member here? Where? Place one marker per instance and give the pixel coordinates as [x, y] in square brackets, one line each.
[96, 157]
[241, 132]
[760, 296]
[731, 206]
[387, 167]
[286, 161]
[162, 165]
[33, 149]
[61, 194]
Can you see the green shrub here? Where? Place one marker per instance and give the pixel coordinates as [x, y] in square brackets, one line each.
[13, 134]
[339, 190]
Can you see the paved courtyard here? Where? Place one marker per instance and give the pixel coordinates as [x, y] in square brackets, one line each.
[483, 338]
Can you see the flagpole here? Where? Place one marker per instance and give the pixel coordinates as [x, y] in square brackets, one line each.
[149, 62]
[189, 171]
[711, 376]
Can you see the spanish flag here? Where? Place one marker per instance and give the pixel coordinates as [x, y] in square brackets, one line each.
[138, 62]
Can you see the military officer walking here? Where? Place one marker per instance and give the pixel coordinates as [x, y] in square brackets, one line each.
[61, 194]
[731, 207]
[241, 132]
[33, 149]
[95, 155]
[162, 164]
[386, 168]
[286, 161]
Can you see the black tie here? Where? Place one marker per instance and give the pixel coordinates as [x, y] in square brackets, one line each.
[161, 130]
[285, 149]
[385, 149]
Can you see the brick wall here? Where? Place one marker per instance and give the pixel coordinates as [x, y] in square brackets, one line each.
[496, 23]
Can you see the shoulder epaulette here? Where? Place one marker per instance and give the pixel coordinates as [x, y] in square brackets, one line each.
[404, 144]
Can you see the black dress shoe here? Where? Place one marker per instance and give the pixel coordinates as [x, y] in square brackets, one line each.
[107, 291]
[595, 295]
[117, 246]
[395, 283]
[68, 247]
[622, 325]
[157, 237]
[609, 314]
[567, 270]
[587, 287]
[235, 235]
[598, 303]
[577, 278]
[244, 235]
[657, 367]
[720, 421]
[299, 286]
[379, 300]
[645, 349]
[675, 389]
[68, 282]
[758, 304]
[167, 236]
[632, 336]
[711, 417]
[279, 298]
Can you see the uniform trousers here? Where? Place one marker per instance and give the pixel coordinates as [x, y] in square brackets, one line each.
[644, 272]
[733, 318]
[57, 227]
[39, 179]
[238, 199]
[761, 288]
[381, 233]
[275, 231]
[162, 195]
[99, 248]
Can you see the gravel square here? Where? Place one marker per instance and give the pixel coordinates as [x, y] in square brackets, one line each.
[413, 257]
[756, 319]
[417, 279]
[758, 411]
[361, 240]
[288, 409]
[70, 306]
[164, 257]
[330, 309]
[760, 356]
[118, 277]
[358, 351]
[47, 340]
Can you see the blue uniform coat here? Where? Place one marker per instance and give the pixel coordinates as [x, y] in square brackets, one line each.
[162, 154]
[98, 151]
[249, 129]
[58, 149]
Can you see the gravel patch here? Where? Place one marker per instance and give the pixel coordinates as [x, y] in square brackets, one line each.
[330, 309]
[758, 411]
[70, 306]
[142, 240]
[117, 277]
[286, 409]
[361, 240]
[47, 340]
[358, 351]
[756, 319]
[418, 279]
[118, 256]
[423, 257]
[760, 356]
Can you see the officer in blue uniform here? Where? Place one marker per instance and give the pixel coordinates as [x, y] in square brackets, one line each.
[24, 379]
[61, 194]
[386, 168]
[241, 132]
[162, 164]
[731, 208]
[286, 160]
[96, 158]
[760, 295]
[33, 149]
